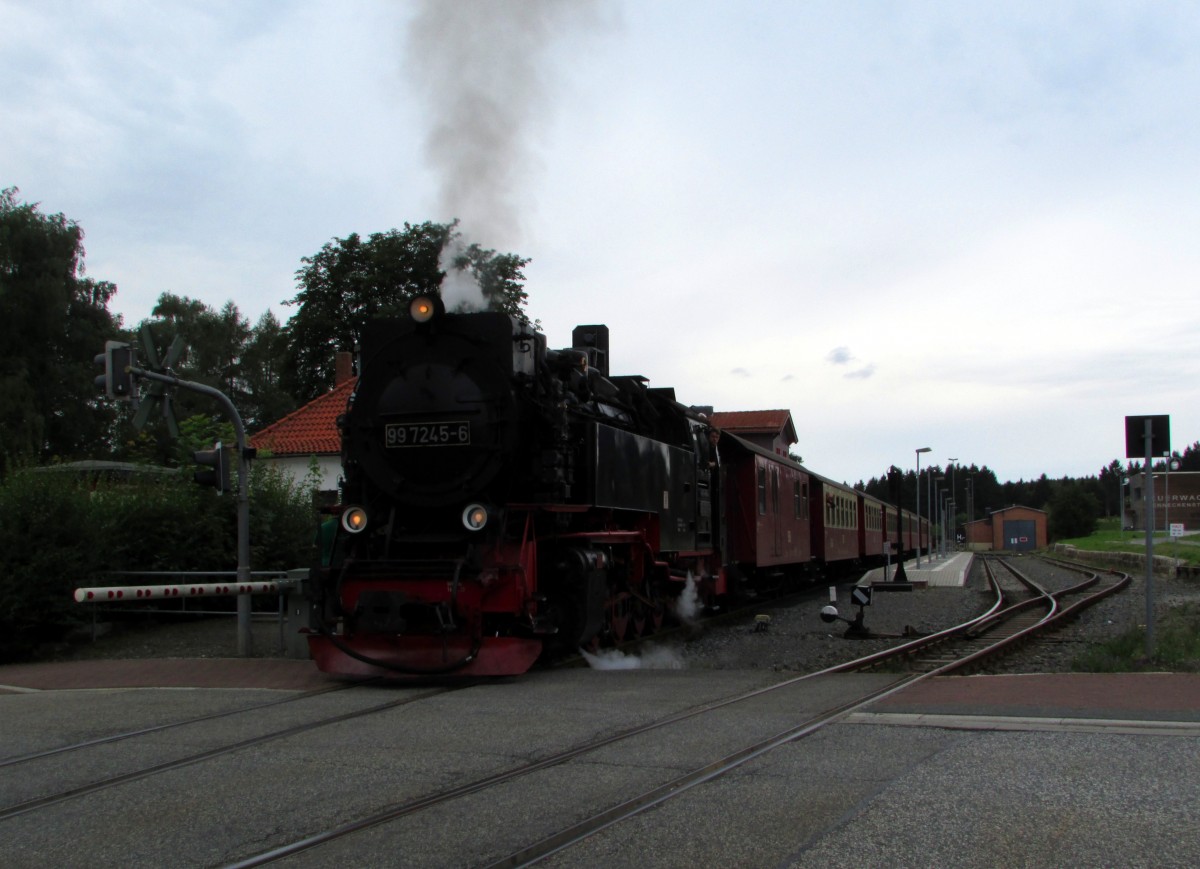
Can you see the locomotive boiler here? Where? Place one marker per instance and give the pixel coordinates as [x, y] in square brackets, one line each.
[502, 498]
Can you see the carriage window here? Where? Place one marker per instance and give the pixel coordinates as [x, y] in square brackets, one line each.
[775, 491]
[762, 491]
[796, 506]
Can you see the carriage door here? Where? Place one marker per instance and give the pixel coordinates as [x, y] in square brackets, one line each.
[777, 543]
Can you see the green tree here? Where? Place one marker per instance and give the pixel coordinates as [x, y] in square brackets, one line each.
[1073, 511]
[223, 352]
[53, 321]
[264, 358]
[1110, 487]
[351, 280]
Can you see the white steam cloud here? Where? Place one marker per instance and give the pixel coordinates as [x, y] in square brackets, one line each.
[687, 605]
[460, 288]
[651, 659]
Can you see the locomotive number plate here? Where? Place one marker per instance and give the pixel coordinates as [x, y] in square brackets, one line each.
[428, 434]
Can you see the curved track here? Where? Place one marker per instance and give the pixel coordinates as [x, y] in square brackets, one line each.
[1021, 610]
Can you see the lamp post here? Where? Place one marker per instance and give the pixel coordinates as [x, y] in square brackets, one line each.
[1121, 499]
[935, 481]
[942, 519]
[970, 505]
[953, 494]
[1172, 464]
[919, 451]
[929, 483]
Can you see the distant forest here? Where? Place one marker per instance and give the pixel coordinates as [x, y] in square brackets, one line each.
[976, 492]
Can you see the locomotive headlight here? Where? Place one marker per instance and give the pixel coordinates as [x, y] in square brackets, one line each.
[475, 517]
[354, 520]
[422, 309]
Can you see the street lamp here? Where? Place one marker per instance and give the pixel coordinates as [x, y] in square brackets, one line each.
[970, 506]
[1124, 481]
[952, 460]
[941, 497]
[919, 451]
[932, 481]
[1172, 464]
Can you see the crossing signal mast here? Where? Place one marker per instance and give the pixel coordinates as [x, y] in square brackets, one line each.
[215, 467]
[117, 361]
[120, 381]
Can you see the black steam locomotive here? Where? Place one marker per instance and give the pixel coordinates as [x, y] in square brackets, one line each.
[502, 498]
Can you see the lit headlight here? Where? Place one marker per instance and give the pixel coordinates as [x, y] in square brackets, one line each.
[422, 309]
[354, 519]
[475, 517]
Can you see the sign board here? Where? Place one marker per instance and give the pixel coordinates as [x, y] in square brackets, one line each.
[1135, 436]
[1176, 529]
[861, 595]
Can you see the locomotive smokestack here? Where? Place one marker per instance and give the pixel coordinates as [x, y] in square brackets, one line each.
[593, 339]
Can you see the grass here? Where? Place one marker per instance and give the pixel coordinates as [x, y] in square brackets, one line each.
[1176, 647]
[1176, 633]
[1109, 537]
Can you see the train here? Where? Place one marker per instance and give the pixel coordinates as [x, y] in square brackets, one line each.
[502, 501]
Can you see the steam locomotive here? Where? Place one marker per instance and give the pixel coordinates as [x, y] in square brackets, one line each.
[502, 499]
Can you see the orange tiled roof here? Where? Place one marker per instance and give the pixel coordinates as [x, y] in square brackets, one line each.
[768, 422]
[312, 429]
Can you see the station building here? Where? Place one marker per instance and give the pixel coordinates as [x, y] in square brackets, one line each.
[1176, 501]
[1015, 529]
[772, 430]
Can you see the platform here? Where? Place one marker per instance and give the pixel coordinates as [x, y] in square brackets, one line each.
[935, 571]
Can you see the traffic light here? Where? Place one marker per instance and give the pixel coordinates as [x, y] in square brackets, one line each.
[117, 379]
[216, 468]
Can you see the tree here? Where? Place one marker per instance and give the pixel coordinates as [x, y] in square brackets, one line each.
[350, 281]
[1073, 512]
[53, 321]
[264, 359]
[223, 352]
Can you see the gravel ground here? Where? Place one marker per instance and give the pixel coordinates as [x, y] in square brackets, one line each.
[798, 640]
[795, 640]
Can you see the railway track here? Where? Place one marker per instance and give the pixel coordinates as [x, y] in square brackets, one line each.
[170, 725]
[131, 775]
[1024, 609]
[782, 714]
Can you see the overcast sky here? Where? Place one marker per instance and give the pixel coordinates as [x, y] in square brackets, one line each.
[969, 226]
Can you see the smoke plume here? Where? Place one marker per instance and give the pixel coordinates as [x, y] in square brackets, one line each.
[479, 66]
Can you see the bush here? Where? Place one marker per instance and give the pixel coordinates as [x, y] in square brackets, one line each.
[59, 531]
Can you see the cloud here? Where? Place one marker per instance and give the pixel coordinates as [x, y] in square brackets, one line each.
[839, 356]
[843, 356]
[741, 372]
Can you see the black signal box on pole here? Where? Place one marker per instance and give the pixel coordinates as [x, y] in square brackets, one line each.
[215, 467]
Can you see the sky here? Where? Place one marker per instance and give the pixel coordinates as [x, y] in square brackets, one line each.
[968, 226]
